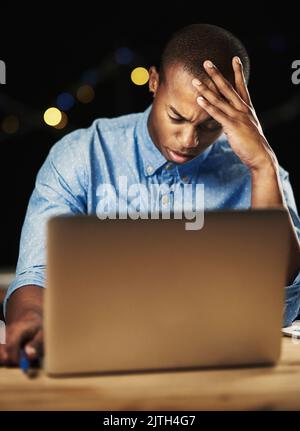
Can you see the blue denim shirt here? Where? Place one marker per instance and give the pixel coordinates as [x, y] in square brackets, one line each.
[68, 183]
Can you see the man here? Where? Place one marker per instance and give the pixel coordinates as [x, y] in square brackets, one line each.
[201, 128]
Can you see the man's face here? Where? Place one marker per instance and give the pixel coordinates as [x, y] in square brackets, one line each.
[178, 126]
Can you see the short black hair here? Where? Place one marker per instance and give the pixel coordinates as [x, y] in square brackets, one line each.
[195, 43]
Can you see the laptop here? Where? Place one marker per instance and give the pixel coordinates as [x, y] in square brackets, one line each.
[135, 295]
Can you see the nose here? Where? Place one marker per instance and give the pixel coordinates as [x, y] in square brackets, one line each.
[187, 139]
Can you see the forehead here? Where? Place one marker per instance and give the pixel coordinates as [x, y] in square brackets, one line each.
[180, 92]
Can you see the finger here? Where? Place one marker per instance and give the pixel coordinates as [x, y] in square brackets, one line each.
[35, 348]
[214, 112]
[213, 98]
[223, 85]
[17, 335]
[240, 82]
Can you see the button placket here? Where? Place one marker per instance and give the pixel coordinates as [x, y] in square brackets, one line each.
[149, 170]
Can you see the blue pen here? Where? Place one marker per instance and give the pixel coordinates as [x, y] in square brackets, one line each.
[29, 367]
[24, 362]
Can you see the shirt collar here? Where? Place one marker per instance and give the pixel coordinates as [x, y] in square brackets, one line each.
[153, 158]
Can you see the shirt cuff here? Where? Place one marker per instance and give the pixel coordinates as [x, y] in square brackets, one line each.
[20, 281]
[292, 301]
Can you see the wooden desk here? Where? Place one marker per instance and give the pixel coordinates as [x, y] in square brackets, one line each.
[232, 389]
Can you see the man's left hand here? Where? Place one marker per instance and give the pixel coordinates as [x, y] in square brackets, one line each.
[233, 109]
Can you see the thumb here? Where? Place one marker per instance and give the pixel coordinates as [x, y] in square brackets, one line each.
[34, 347]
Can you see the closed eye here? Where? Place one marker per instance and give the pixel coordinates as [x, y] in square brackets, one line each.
[211, 126]
[176, 120]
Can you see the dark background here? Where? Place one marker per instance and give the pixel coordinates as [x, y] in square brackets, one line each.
[50, 48]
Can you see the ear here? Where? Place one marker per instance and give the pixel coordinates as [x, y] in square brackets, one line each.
[153, 80]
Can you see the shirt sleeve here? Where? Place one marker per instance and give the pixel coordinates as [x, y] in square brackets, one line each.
[60, 188]
[292, 292]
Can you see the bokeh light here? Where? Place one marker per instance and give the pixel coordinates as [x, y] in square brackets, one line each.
[52, 116]
[139, 76]
[124, 55]
[90, 77]
[65, 101]
[10, 124]
[63, 122]
[85, 94]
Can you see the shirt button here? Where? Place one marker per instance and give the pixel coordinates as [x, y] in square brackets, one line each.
[149, 169]
[169, 166]
[185, 179]
[165, 199]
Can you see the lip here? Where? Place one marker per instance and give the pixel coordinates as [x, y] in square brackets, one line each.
[179, 157]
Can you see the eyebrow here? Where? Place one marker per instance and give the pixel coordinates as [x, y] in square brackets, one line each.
[183, 117]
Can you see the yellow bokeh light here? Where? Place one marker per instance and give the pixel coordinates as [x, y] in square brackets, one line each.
[63, 122]
[10, 124]
[85, 94]
[139, 76]
[52, 116]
